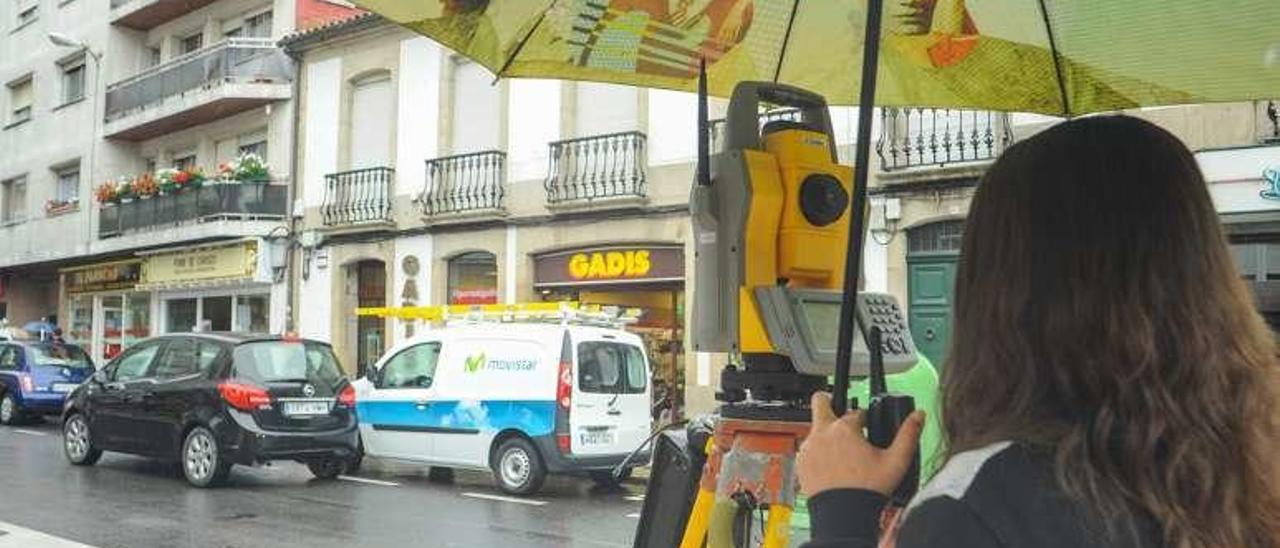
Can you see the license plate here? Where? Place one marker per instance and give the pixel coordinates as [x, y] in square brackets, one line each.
[294, 408]
[596, 437]
[63, 387]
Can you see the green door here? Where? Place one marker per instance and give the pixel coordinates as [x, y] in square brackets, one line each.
[934, 251]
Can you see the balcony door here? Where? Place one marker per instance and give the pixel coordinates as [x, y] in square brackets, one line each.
[372, 108]
[476, 108]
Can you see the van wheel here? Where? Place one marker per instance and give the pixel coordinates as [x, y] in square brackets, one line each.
[202, 462]
[440, 474]
[10, 410]
[518, 467]
[76, 442]
[605, 478]
[327, 468]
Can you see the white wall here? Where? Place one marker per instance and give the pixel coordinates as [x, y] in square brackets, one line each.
[601, 109]
[533, 121]
[672, 130]
[418, 123]
[422, 247]
[315, 299]
[320, 140]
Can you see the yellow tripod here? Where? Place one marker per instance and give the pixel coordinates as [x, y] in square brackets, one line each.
[750, 470]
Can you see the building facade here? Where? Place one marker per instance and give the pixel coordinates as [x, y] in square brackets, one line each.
[146, 167]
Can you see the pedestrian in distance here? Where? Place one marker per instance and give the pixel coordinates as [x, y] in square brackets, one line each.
[1109, 382]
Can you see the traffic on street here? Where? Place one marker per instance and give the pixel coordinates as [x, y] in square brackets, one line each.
[127, 501]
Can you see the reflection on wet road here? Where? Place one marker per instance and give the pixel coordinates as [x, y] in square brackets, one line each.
[133, 502]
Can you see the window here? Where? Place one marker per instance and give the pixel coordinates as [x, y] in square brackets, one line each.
[412, 368]
[372, 108]
[258, 26]
[187, 357]
[8, 357]
[185, 161]
[59, 355]
[150, 165]
[940, 237]
[73, 81]
[13, 200]
[1257, 261]
[191, 43]
[136, 363]
[233, 33]
[476, 108]
[27, 14]
[68, 190]
[611, 368]
[180, 315]
[251, 313]
[21, 99]
[254, 144]
[153, 56]
[282, 361]
[473, 278]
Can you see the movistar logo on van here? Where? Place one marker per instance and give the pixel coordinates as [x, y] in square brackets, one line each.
[474, 363]
[477, 362]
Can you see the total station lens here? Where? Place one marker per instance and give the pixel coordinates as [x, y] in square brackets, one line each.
[822, 199]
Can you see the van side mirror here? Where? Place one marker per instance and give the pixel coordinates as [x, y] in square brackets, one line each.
[100, 376]
[371, 375]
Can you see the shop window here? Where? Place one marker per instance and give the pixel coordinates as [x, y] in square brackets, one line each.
[473, 278]
[81, 331]
[251, 313]
[137, 319]
[180, 315]
[216, 314]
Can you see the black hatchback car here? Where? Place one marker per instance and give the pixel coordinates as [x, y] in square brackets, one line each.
[212, 400]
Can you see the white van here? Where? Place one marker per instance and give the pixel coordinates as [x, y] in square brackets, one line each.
[519, 399]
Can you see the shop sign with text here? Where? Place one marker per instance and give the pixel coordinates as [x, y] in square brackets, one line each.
[103, 277]
[614, 264]
[206, 263]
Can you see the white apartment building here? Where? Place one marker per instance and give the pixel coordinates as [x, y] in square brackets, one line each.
[165, 96]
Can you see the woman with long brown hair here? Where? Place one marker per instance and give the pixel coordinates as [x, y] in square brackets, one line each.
[1109, 382]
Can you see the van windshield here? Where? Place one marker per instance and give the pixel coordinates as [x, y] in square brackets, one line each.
[287, 361]
[611, 368]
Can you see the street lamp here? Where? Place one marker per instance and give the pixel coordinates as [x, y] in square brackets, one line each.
[66, 41]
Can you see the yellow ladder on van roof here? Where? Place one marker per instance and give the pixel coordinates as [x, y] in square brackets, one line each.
[557, 312]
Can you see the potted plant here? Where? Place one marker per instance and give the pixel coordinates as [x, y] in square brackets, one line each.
[124, 190]
[58, 207]
[106, 194]
[145, 186]
[247, 168]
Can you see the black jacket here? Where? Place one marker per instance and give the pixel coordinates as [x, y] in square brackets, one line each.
[1002, 496]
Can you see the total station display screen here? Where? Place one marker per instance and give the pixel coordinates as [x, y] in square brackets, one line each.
[824, 323]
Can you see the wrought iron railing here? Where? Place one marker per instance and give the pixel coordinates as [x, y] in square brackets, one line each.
[235, 60]
[718, 125]
[358, 196]
[464, 182]
[592, 168]
[912, 137]
[245, 201]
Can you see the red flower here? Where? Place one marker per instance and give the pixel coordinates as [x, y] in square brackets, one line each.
[182, 177]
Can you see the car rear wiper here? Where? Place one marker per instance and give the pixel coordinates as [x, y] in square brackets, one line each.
[301, 379]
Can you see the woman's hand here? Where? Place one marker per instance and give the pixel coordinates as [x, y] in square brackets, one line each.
[836, 455]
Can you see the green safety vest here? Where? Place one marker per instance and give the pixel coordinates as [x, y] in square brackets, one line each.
[919, 382]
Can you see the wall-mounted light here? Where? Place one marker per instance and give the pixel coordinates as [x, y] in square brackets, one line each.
[884, 226]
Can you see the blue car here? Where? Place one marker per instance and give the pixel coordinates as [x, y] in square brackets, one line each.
[35, 378]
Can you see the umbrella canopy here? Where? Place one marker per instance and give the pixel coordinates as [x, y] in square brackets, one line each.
[1059, 57]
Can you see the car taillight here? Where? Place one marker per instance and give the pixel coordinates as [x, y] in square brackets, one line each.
[562, 442]
[347, 397]
[244, 397]
[27, 385]
[564, 390]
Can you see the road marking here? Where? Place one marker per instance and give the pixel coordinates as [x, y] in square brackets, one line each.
[487, 496]
[29, 432]
[369, 481]
[21, 537]
[635, 515]
[635, 498]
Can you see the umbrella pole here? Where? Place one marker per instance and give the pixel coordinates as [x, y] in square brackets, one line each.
[858, 223]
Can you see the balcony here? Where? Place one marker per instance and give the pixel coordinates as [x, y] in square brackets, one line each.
[205, 85]
[603, 168]
[204, 205]
[358, 197]
[465, 185]
[148, 14]
[920, 137]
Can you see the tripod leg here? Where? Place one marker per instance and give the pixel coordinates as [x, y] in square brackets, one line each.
[778, 527]
[699, 519]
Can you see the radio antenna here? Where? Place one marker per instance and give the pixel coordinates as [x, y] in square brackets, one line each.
[704, 128]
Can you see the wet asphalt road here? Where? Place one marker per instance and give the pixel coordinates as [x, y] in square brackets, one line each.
[131, 502]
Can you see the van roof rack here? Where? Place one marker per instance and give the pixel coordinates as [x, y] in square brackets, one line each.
[563, 313]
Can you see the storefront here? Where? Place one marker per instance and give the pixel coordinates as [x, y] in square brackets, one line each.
[105, 310]
[1245, 185]
[647, 277]
[224, 287]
